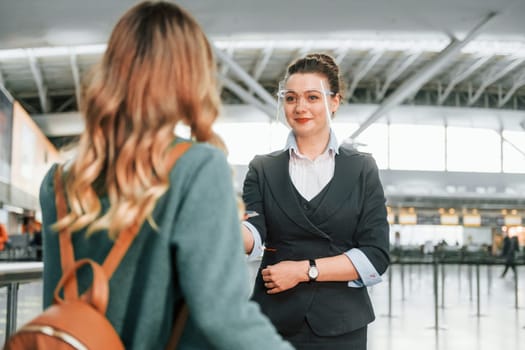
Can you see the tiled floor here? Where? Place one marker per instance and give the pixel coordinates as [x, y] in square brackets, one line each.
[462, 324]
[409, 322]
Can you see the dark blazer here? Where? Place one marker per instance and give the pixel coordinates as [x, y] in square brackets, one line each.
[352, 214]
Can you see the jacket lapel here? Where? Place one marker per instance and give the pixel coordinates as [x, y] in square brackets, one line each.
[348, 167]
[278, 178]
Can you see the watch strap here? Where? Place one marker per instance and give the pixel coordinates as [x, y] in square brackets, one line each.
[313, 267]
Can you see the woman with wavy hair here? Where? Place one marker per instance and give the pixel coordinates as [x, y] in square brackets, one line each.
[158, 70]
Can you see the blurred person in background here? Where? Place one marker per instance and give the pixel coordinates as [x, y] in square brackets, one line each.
[510, 248]
[4, 237]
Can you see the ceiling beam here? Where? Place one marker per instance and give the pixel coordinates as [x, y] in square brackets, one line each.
[262, 62]
[71, 123]
[27, 106]
[39, 80]
[60, 124]
[395, 71]
[297, 54]
[247, 97]
[76, 77]
[362, 69]
[6, 93]
[492, 77]
[246, 78]
[225, 67]
[54, 93]
[460, 74]
[2, 79]
[65, 105]
[519, 82]
[340, 54]
[300, 53]
[414, 82]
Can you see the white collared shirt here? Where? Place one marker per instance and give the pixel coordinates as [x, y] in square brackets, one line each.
[310, 176]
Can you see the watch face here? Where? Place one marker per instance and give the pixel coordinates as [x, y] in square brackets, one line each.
[313, 273]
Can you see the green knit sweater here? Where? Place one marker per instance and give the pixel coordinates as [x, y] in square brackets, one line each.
[199, 239]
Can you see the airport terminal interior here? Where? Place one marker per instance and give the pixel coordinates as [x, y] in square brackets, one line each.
[435, 92]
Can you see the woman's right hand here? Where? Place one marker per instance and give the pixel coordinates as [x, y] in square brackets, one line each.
[284, 275]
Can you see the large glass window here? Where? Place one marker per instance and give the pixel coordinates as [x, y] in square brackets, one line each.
[475, 150]
[278, 135]
[343, 130]
[394, 146]
[245, 140]
[417, 147]
[374, 140]
[513, 152]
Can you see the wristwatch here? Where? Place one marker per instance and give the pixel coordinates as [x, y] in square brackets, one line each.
[313, 272]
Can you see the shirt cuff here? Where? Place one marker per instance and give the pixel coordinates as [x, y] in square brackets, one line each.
[257, 250]
[367, 273]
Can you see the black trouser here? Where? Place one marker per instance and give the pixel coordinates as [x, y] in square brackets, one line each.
[512, 265]
[306, 339]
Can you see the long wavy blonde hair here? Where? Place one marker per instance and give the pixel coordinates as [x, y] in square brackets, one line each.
[158, 69]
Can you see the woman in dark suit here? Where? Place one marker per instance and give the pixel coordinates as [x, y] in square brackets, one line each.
[319, 210]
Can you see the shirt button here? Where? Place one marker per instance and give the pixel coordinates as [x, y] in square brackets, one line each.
[306, 206]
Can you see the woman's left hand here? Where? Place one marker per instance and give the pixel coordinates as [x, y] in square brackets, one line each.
[284, 275]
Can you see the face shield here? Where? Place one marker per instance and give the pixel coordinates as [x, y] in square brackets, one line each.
[314, 101]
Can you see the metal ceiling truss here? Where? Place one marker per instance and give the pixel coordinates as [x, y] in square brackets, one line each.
[398, 68]
[246, 96]
[458, 75]
[362, 69]
[298, 53]
[262, 62]
[494, 75]
[340, 54]
[247, 79]
[39, 80]
[66, 104]
[225, 67]
[6, 93]
[418, 79]
[482, 74]
[518, 83]
[76, 77]
[2, 80]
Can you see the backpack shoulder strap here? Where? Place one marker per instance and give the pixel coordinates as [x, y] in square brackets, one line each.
[181, 316]
[127, 235]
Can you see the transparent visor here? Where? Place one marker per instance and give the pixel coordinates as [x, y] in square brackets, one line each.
[311, 102]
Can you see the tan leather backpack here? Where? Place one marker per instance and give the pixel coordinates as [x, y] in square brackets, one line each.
[79, 322]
